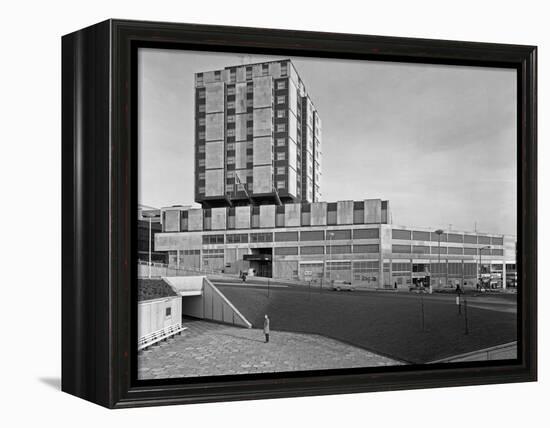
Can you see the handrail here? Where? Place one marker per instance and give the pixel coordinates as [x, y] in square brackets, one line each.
[159, 335]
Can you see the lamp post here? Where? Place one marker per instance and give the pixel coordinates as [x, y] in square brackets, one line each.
[439, 232]
[330, 237]
[149, 217]
[149, 247]
[479, 265]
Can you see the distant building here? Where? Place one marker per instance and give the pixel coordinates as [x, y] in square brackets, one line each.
[149, 223]
[258, 137]
[346, 240]
[257, 178]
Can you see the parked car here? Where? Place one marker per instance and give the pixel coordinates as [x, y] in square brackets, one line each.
[340, 285]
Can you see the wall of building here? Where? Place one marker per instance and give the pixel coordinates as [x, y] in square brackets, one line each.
[152, 314]
[214, 306]
[238, 112]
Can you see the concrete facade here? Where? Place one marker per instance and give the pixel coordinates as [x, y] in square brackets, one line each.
[154, 315]
[258, 137]
[301, 243]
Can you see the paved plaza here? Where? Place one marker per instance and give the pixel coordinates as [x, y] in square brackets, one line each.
[210, 349]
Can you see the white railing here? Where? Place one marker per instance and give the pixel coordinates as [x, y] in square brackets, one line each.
[157, 270]
[159, 335]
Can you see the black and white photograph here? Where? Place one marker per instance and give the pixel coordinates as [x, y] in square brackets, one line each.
[300, 214]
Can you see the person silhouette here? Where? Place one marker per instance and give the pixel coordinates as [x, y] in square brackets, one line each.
[266, 328]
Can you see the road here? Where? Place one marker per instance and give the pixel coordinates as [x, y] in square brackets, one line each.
[387, 323]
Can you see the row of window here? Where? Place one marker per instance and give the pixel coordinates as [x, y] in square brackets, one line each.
[248, 73]
[294, 236]
[436, 249]
[457, 269]
[445, 237]
[306, 218]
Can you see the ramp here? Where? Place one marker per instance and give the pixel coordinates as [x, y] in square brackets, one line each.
[202, 299]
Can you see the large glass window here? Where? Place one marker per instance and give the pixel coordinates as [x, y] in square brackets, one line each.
[335, 235]
[401, 234]
[212, 239]
[286, 251]
[312, 235]
[455, 237]
[311, 250]
[366, 233]
[286, 236]
[261, 237]
[238, 238]
[421, 236]
[401, 249]
[339, 249]
[368, 248]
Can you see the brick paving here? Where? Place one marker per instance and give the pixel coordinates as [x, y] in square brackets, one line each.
[210, 349]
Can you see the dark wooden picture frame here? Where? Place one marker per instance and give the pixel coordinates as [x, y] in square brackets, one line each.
[99, 212]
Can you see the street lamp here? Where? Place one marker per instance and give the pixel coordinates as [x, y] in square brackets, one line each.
[330, 237]
[149, 216]
[439, 232]
[486, 247]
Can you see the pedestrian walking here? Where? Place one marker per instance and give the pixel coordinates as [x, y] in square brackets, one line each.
[266, 328]
[458, 290]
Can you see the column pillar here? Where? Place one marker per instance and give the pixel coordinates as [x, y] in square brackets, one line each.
[504, 274]
[447, 271]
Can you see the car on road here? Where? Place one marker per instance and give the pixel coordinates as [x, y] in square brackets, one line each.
[340, 285]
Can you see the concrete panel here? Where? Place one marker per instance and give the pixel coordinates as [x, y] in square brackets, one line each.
[214, 97]
[214, 183]
[262, 179]
[240, 127]
[171, 221]
[214, 157]
[267, 215]
[386, 240]
[292, 157]
[291, 185]
[275, 69]
[263, 122]
[214, 127]
[242, 217]
[319, 214]
[344, 212]
[385, 216]
[219, 218]
[178, 241]
[241, 74]
[373, 211]
[309, 140]
[284, 269]
[292, 97]
[209, 77]
[292, 127]
[263, 92]
[194, 221]
[293, 215]
[240, 97]
[242, 175]
[240, 156]
[263, 151]
[186, 285]
[257, 70]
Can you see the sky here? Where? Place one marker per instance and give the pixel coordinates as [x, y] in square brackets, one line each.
[437, 141]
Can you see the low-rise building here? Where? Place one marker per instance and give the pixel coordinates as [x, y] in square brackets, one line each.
[320, 242]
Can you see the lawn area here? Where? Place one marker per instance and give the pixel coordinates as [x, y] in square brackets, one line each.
[386, 323]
